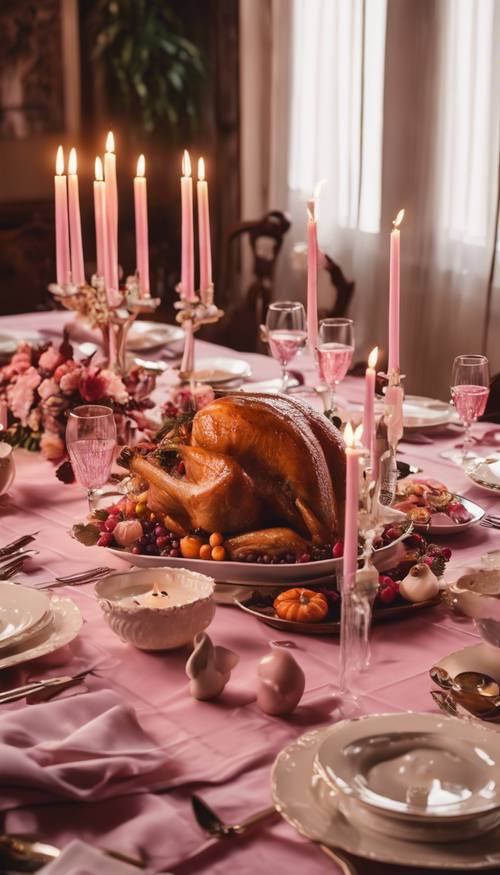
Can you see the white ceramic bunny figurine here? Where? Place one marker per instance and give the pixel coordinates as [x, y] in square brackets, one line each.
[209, 668]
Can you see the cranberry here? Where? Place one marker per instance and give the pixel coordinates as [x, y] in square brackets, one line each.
[100, 525]
[378, 542]
[387, 594]
[338, 550]
[174, 553]
[111, 523]
[304, 558]
[446, 553]
[136, 550]
[384, 580]
[105, 540]
[392, 533]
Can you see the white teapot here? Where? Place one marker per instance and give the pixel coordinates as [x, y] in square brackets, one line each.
[7, 467]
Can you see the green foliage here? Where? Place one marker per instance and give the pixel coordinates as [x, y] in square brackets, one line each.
[86, 534]
[149, 63]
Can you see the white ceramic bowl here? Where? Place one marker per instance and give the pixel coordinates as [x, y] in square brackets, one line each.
[477, 594]
[164, 628]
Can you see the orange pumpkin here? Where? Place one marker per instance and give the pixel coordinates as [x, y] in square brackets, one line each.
[302, 605]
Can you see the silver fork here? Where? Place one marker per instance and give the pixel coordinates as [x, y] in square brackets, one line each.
[76, 579]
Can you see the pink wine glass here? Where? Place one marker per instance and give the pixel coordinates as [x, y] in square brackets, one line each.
[334, 350]
[91, 442]
[286, 334]
[470, 387]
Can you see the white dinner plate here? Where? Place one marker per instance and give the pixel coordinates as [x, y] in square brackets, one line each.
[250, 573]
[309, 808]
[21, 608]
[414, 766]
[221, 370]
[151, 335]
[66, 624]
[419, 413]
[485, 473]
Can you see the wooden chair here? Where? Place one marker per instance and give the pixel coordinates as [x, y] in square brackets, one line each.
[240, 326]
[344, 287]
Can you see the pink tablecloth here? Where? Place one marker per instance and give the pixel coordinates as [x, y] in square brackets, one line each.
[224, 750]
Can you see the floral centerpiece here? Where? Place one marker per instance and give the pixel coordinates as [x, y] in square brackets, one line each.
[40, 384]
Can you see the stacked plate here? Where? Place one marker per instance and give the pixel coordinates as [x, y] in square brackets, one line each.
[397, 787]
[33, 624]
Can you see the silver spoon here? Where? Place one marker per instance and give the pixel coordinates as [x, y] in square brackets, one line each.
[211, 823]
[477, 683]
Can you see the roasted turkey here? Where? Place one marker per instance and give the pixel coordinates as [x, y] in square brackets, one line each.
[254, 461]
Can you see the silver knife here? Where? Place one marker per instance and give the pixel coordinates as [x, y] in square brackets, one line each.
[17, 544]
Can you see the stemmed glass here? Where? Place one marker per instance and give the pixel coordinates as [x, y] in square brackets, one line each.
[91, 442]
[334, 350]
[286, 333]
[470, 387]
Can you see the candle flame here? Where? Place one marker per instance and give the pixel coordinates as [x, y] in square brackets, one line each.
[60, 161]
[311, 210]
[201, 169]
[99, 175]
[319, 187]
[349, 435]
[141, 166]
[110, 142]
[399, 218]
[358, 434]
[372, 358]
[186, 164]
[72, 165]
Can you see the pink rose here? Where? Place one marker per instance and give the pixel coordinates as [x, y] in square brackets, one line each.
[93, 386]
[52, 446]
[21, 394]
[66, 367]
[115, 387]
[70, 381]
[50, 359]
[48, 388]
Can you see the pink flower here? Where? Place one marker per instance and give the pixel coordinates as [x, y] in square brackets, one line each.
[48, 388]
[66, 368]
[21, 394]
[50, 359]
[187, 400]
[115, 387]
[70, 381]
[52, 446]
[93, 385]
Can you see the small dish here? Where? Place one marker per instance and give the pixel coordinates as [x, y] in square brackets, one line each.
[413, 766]
[477, 595]
[485, 473]
[221, 370]
[187, 607]
[442, 525]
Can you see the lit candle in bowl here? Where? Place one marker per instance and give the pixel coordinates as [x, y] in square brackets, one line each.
[204, 234]
[369, 408]
[141, 227]
[394, 293]
[62, 230]
[187, 253]
[157, 598]
[75, 225]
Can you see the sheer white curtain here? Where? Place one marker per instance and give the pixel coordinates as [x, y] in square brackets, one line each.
[396, 104]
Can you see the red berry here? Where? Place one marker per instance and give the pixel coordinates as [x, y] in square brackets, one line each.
[136, 550]
[161, 541]
[338, 549]
[428, 560]
[392, 533]
[387, 594]
[384, 580]
[446, 554]
[111, 523]
[174, 553]
[105, 539]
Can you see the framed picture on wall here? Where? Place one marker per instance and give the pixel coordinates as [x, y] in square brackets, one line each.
[39, 68]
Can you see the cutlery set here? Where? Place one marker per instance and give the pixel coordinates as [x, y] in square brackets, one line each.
[490, 521]
[469, 693]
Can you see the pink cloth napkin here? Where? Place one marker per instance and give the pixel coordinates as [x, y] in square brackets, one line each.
[79, 858]
[85, 748]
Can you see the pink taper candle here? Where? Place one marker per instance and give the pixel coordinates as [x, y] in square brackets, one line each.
[204, 233]
[111, 211]
[187, 255]
[350, 561]
[141, 227]
[75, 225]
[100, 218]
[394, 294]
[62, 230]
[312, 275]
[369, 408]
